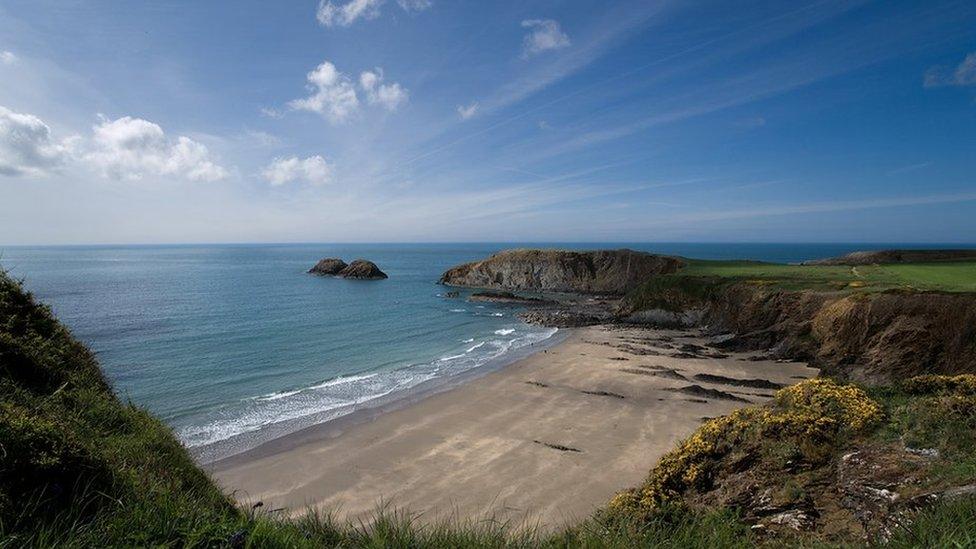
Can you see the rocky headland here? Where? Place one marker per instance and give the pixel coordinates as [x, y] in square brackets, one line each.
[612, 272]
[359, 269]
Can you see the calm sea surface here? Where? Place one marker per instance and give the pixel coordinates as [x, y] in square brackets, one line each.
[237, 343]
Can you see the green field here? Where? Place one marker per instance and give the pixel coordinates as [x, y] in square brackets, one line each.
[943, 277]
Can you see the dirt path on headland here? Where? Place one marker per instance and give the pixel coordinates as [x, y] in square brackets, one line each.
[544, 441]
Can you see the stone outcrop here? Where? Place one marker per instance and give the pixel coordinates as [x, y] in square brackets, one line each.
[610, 272]
[359, 269]
[330, 266]
[897, 256]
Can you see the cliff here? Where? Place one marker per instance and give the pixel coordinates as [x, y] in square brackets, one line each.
[874, 338]
[612, 272]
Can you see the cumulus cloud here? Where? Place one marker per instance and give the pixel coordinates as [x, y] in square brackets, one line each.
[7, 57]
[333, 94]
[964, 74]
[335, 97]
[26, 145]
[132, 148]
[331, 13]
[313, 170]
[545, 35]
[467, 111]
[389, 96]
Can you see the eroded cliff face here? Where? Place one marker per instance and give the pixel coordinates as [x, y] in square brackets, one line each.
[869, 338]
[612, 272]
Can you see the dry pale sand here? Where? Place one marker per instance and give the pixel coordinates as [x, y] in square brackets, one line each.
[483, 448]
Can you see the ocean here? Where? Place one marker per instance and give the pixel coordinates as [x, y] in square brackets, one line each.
[234, 345]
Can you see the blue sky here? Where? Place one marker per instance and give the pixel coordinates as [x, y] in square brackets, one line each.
[437, 120]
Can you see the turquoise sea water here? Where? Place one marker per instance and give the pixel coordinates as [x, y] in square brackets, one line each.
[236, 343]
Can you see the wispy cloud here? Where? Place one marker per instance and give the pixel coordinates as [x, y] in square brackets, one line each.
[773, 210]
[963, 74]
[415, 5]
[467, 111]
[7, 57]
[544, 35]
[331, 13]
[909, 168]
[314, 170]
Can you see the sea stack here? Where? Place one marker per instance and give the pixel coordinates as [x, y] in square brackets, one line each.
[357, 270]
[330, 266]
[362, 270]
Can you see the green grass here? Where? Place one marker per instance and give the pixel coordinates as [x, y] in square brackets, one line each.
[943, 277]
[700, 279]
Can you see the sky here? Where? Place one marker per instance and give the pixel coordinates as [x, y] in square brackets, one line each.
[502, 121]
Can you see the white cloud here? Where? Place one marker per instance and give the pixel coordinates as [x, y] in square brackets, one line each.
[467, 111]
[415, 5]
[314, 170]
[545, 35]
[7, 57]
[331, 14]
[26, 145]
[964, 74]
[333, 94]
[389, 96]
[132, 148]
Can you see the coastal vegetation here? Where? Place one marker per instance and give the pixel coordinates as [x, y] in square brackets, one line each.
[826, 463]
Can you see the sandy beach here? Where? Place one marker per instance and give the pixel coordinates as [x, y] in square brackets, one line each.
[542, 442]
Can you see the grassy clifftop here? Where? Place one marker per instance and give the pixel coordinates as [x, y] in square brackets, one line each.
[959, 276]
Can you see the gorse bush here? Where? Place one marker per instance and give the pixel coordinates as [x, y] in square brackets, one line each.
[811, 415]
[964, 384]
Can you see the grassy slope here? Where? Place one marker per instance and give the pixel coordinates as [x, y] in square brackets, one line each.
[80, 468]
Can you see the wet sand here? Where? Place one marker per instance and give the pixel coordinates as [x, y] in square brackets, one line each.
[542, 442]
